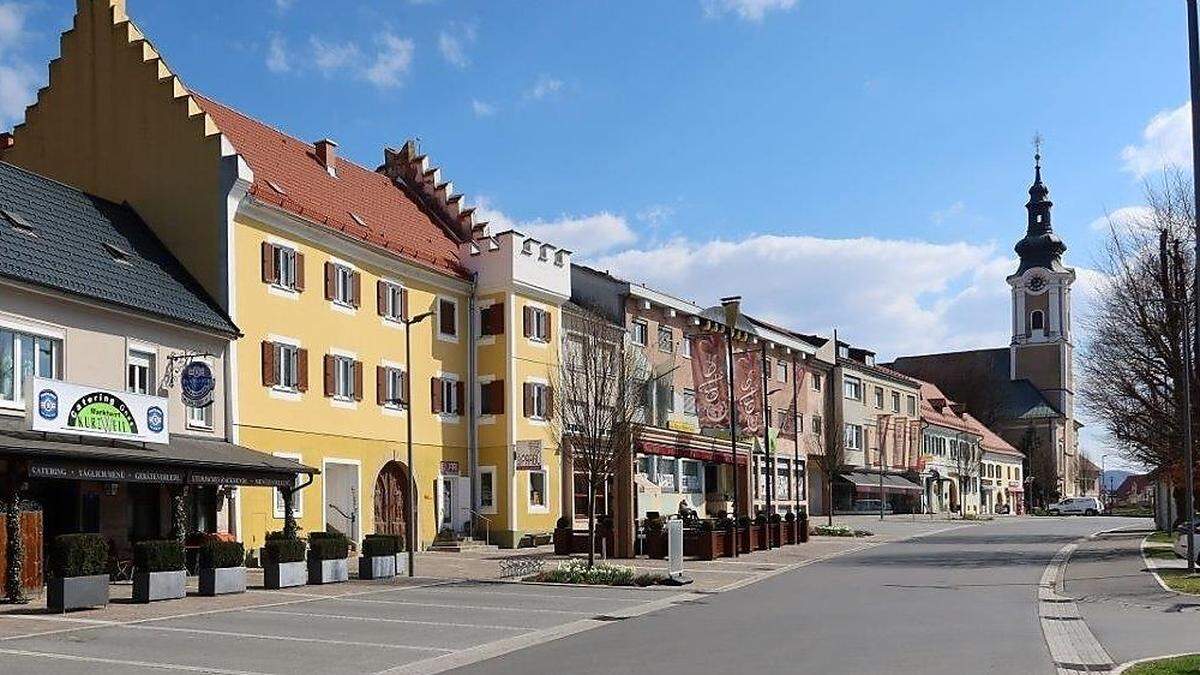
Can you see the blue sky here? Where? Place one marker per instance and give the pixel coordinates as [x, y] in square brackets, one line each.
[859, 164]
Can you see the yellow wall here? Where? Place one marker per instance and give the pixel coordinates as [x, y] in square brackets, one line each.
[315, 426]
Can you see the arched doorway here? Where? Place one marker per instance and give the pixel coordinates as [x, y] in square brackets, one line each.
[391, 499]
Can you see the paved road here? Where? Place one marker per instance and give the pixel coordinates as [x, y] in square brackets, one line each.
[960, 601]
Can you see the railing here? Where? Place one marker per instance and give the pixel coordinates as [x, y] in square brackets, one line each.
[487, 526]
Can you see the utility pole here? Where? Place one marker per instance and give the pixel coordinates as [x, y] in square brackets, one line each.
[1194, 72]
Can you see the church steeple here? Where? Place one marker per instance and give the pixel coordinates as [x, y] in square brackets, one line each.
[1040, 247]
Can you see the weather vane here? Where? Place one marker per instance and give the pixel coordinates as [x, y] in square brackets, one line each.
[1037, 147]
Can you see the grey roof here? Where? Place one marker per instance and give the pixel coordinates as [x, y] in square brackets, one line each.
[964, 376]
[87, 246]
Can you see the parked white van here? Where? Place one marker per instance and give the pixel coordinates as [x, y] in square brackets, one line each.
[1081, 506]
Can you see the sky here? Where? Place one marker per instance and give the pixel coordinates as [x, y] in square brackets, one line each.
[862, 165]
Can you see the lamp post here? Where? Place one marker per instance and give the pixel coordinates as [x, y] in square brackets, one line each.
[733, 309]
[410, 496]
[1194, 73]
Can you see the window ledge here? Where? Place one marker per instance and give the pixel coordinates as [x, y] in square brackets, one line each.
[447, 338]
[283, 292]
[284, 393]
[343, 307]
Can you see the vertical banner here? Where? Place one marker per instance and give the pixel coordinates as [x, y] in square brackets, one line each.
[747, 391]
[708, 375]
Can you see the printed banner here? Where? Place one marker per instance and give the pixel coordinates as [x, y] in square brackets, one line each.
[65, 408]
[708, 374]
[747, 391]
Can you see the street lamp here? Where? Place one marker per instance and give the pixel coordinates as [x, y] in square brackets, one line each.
[733, 309]
[410, 497]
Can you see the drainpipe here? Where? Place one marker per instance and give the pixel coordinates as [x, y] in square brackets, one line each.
[473, 414]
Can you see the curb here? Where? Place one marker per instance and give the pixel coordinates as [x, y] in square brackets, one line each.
[1152, 568]
[1129, 664]
[1073, 647]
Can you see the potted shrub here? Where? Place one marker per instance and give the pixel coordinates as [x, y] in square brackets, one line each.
[378, 558]
[222, 567]
[78, 572]
[774, 530]
[327, 553]
[159, 572]
[283, 562]
[789, 528]
[563, 533]
[656, 537]
[744, 533]
[802, 526]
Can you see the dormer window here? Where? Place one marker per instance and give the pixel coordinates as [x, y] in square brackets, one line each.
[117, 253]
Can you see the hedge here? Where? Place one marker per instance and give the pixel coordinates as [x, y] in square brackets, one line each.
[328, 546]
[282, 550]
[79, 555]
[164, 555]
[380, 545]
[216, 554]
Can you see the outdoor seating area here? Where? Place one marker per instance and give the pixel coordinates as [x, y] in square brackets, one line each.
[703, 539]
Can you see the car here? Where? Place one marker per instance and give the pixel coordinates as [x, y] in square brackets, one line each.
[1085, 506]
[1181, 531]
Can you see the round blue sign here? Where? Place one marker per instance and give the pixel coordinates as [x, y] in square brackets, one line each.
[47, 404]
[154, 419]
[196, 385]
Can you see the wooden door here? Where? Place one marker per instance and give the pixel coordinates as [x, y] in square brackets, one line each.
[391, 499]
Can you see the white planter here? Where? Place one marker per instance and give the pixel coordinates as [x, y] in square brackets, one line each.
[377, 567]
[328, 571]
[67, 593]
[402, 564]
[153, 586]
[285, 575]
[222, 580]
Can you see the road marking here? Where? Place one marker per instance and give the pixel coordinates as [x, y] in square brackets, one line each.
[347, 617]
[535, 595]
[286, 638]
[524, 610]
[120, 662]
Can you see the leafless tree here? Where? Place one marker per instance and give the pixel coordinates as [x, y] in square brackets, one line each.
[1132, 378]
[828, 451]
[601, 385]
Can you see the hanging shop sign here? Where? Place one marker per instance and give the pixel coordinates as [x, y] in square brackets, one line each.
[196, 385]
[527, 455]
[66, 408]
[709, 373]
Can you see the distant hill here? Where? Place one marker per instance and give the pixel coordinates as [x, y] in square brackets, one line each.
[1114, 477]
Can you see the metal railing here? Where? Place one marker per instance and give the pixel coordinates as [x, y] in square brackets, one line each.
[487, 526]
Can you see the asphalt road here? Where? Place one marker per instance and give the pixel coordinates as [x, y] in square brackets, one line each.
[955, 602]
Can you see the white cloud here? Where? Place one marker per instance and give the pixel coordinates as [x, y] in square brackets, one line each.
[392, 61]
[284, 5]
[330, 56]
[18, 89]
[277, 56]
[749, 10]
[584, 235]
[950, 212]
[482, 108]
[544, 87]
[1124, 217]
[656, 214]
[12, 25]
[1166, 142]
[453, 41]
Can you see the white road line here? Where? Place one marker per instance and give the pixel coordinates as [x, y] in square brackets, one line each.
[119, 662]
[347, 617]
[524, 610]
[536, 596]
[286, 638]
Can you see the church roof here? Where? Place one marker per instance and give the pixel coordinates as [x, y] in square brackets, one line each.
[1040, 247]
[965, 375]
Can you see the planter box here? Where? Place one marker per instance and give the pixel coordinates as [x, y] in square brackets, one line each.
[153, 586]
[790, 533]
[402, 563]
[76, 592]
[377, 566]
[563, 541]
[222, 580]
[775, 535]
[802, 526]
[754, 538]
[285, 575]
[656, 545]
[328, 571]
[708, 545]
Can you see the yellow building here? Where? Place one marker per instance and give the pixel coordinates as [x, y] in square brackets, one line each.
[321, 263]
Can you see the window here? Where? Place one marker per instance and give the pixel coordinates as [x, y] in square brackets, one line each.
[816, 425]
[447, 318]
[816, 382]
[392, 386]
[487, 489]
[447, 395]
[852, 388]
[783, 371]
[139, 378]
[537, 400]
[854, 437]
[690, 480]
[491, 319]
[879, 397]
[343, 378]
[639, 332]
[685, 347]
[666, 339]
[537, 324]
[343, 285]
[912, 406]
[895, 401]
[665, 473]
[199, 418]
[766, 369]
[282, 267]
[689, 402]
[297, 496]
[286, 366]
[782, 419]
[843, 351]
[537, 489]
[392, 300]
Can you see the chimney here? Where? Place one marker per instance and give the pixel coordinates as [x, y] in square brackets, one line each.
[327, 155]
[6, 141]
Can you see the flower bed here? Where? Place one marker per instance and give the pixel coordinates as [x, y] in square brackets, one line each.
[576, 571]
[839, 531]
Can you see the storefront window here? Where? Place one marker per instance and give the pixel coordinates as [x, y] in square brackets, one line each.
[691, 477]
[666, 474]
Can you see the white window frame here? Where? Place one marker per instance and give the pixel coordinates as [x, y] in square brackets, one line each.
[393, 310]
[442, 300]
[685, 347]
[848, 382]
[816, 382]
[343, 285]
[205, 421]
[343, 377]
[292, 351]
[853, 435]
[285, 266]
[879, 398]
[541, 325]
[636, 326]
[491, 472]
[394, 387]
[912, 405]
[144, 360]
[895, 401]
[667, 347]
[689, 410]
[540, 395]
[544, 507]
[57, 341]
[449, 395]
[298, 496]
[783, 370]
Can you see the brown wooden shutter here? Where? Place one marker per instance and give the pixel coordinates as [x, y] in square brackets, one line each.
[527, 396]
[404, 388]
[358, 381]
[299, 271]
[356, 289]
[435, 394]
[268, 364]
[404, 304]
[549, 401]
[330, 379]
[301, 369]
[492, 394]
[527, 320]
[268, 262]
[497, 318]
[330, 280]
[381, 378]
[381, 297]
[460, 397]
[546, 333]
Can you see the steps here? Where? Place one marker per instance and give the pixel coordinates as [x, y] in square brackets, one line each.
[451, 542]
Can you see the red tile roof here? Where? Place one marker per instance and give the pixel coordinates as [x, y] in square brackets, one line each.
[393, 221]
[965, 422]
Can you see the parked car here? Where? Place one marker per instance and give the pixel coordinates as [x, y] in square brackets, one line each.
[1181, 531]
[1080, 506]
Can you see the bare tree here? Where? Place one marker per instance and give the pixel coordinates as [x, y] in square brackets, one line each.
[828, 451]
[601, 386]
[1132, 367]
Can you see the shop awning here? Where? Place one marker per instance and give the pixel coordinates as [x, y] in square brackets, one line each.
[867, 482]
[184, 460]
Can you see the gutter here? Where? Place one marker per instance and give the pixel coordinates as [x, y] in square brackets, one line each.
[473, 408]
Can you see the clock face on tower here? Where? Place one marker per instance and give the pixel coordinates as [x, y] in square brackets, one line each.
[1036, 283]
